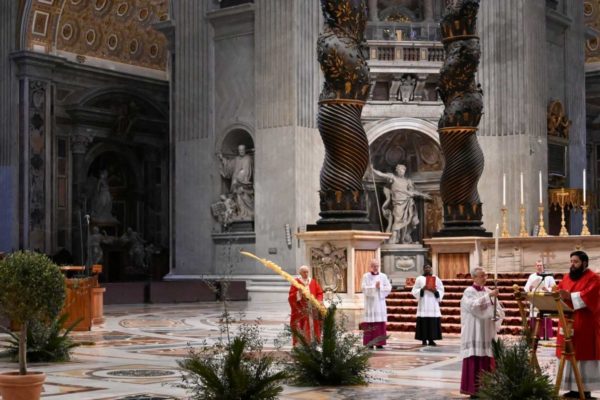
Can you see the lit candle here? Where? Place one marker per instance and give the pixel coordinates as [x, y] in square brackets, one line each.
[540, 180]
[521, 188]
[496, 252]
[584, 186]
[503, 190]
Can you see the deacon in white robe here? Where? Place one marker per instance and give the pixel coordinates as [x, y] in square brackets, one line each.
[429, 296]
[478, 329]
[376, 287]
[540, 282]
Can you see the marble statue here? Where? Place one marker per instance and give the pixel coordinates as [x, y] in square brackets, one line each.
[225, 210]
[399, 207]
[95, 241]
[137, 251]
[239, 170]
[102, 200]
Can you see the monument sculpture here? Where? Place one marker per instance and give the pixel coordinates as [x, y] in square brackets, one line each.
[399, 207]
[95, 245]
[239, 170]
[342, 52]
[102, 202]
[463, 105]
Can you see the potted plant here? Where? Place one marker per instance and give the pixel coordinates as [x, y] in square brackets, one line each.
[31, 288]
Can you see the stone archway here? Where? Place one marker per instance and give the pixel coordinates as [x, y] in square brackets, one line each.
[415, 144]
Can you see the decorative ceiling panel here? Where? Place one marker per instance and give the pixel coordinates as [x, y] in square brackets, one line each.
[114, 30]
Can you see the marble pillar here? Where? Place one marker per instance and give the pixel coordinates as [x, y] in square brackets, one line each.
[79, 145]
[373, 11]
[9, 155]
[512, 132]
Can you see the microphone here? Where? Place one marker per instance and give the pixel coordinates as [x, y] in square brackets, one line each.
[545, 274]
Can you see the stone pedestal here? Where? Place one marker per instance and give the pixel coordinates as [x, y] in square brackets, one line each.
[401, 261]
[338, 260]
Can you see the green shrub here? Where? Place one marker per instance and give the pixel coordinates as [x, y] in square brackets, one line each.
[339, 360]
[32, 288]
[46, 342]
[233, 368]
[515, 378]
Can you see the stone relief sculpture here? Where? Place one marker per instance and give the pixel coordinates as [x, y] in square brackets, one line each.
[102, 201]
[330, 265]
[239, 170]
[399, 207]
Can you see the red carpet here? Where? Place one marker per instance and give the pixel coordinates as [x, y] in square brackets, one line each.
[402, 306]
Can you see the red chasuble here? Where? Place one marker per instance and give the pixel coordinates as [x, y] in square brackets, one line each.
[586, 324]
[301, 319]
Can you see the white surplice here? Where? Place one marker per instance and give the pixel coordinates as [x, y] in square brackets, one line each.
[375, 307]
[477, 325]
[534, 282]
[429, 305]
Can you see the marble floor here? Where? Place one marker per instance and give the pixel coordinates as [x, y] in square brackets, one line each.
[133, 356]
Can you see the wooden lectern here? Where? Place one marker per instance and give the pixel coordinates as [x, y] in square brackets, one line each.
[549, 304]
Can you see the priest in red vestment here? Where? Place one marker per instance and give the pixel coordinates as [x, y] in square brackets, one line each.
[304, 318]
[580, 289]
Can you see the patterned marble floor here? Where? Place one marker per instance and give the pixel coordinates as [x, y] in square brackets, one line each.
[133, 356]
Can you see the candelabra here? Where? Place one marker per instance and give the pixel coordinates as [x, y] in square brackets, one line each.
[505, 232]
[584, 229]
[542, 231]
[562, 201]
[522, 230]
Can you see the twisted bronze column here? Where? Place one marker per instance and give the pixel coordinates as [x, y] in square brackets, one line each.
[463, 101]
[342, 54]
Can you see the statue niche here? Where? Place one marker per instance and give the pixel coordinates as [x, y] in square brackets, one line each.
[235, 207]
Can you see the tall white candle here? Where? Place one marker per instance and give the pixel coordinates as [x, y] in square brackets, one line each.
[584, 186]
[503, 190]
[496, 252]
[540, 180]
[522, 188]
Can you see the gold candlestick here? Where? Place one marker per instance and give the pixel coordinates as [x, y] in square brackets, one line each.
[505, 232]
[562, 197]
[522, 230]
[584, 229]
[542, 231]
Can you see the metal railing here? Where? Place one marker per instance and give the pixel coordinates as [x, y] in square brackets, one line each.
[406, 51]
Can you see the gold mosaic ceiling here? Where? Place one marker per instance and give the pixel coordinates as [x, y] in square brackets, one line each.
[116, 30]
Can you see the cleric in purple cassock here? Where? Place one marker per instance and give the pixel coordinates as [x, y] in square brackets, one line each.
[376, 287]
[478, 329]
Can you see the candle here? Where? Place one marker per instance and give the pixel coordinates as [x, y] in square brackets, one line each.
[584, 186]
[521, 188]
[540, 180]
[496, 252]
[503, 190]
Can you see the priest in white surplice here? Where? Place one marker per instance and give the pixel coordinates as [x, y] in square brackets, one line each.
[376, 287]
[429, 291]
[478, 329]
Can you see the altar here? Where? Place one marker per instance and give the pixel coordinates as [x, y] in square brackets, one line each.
[457, 255]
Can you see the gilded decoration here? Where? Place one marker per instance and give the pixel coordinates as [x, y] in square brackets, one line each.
[116, 30]
[558, 123]
[591, 15]
[330, 265]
